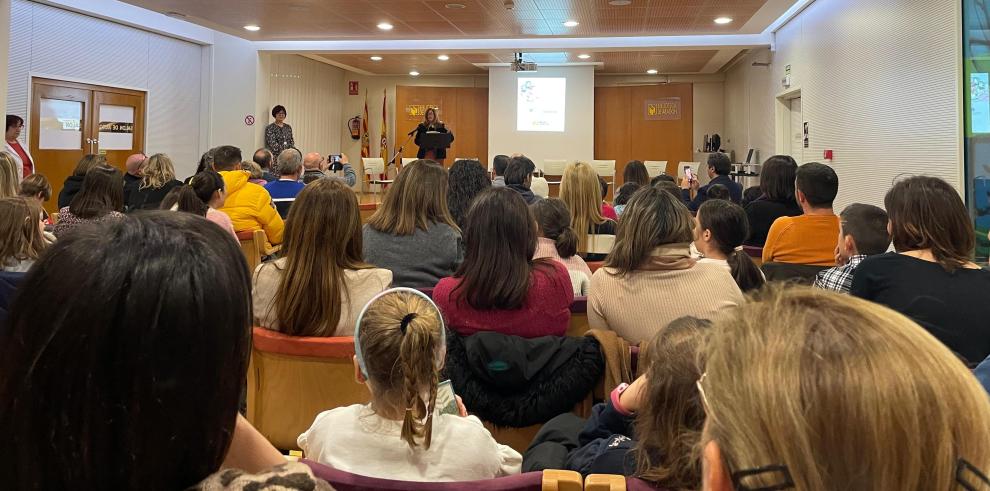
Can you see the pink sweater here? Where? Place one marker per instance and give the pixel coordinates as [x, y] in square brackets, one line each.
[545, 312]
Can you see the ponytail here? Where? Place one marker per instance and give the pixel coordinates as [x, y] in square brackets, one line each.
[419, 369]
[729, 227]
[566, 242]
[195, 196]
[554, 219]
[746, 273]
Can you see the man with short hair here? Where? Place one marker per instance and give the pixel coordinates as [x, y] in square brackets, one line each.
[807, 239]
[318, 167]
[285, 189]
[719, 167]
[263, 157]
[862, 233]
[249, 205]
[519, 177]
[499, 163]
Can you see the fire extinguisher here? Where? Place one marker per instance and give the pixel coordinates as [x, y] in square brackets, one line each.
[355, 126]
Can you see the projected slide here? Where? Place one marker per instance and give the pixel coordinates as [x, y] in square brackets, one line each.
[540, 104]
[979, 99]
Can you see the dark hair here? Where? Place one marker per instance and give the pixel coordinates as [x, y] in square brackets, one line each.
[867, 224]
[662, 178]
[729, 227]
[625, 192]
[751, 194]
[194, 197]
[635, 172]
[777, 176]
[226, 157]
[927, 213]
[518, 170]
[263, 157]
[669, 187]
[604, 185]
[718, 191]
[143, 355]
[102, 192]
[500, 239]
[13, 121]
[466, 179]
[499, 163]
[554, 221]
[88, 162]
[720, 163]
[206, 160]
[279, 109]
[818, 183]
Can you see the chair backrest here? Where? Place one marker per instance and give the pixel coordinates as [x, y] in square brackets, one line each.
[283, 205]
[655, 167]
[291, 379]
[253, 245]
[579, 317]
[802, 274]
[600, 243]
[554, 167]
[604, 168]
[549, 480]
[693, 165]
[407, 161]
[465, 158]
[373, 165]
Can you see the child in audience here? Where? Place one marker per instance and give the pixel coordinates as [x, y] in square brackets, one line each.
[862, 233]
[412, 233]
[622, 197]
[321, 282]
[100, 199]
[650, 278]
[22, 237]
[810, 390]
[36, 187]
[203, 196]
[558, 241]
[467, 178]
[720, 229]
[581, 191]
[776, 198]
[499, 286]
[808, 238]
[932, 277]
[607, 210]
[400, 347]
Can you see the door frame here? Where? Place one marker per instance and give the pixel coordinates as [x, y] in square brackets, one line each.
[782, 114]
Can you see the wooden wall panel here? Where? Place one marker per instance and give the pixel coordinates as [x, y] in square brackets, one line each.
[463, 109]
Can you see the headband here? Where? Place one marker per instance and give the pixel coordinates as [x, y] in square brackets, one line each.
[406, 319]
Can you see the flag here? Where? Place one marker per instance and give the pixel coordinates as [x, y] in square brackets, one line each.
[365, 139]
[384, 146]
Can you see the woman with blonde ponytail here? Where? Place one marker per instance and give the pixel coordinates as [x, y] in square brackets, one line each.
[399, 341]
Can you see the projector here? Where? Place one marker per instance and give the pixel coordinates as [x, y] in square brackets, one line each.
[518, 65]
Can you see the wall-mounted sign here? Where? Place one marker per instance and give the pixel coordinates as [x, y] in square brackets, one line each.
[666, 109]
[353, 87]
[116, 127]
[416, 112]
[249, 120]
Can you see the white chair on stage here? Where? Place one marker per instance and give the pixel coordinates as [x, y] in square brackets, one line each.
[605, 170]
[407, 161]
[374, 172]
[554, 167]
[655, 167]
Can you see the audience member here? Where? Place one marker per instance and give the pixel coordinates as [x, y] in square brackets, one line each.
[263, 157]
[321, 282]
[203, 196]
[312, 163]
[751, 194]
[157, 179]
[257, 175]
[635, 172]
[467, 178]
[37, 187]
[931, 278]
[720, 229]
[519, 177]
[718, 191]
[247, 204]
[73, 183]
[807, 389]
[581, 192]
[664, 178]
[288, 186]
[807, 238]
[206, 161]
[862, 233]
[23, 163]
[142, 329]
[132, 170]
[622, 197]
[341, 170]
[402, 434]
[719, 167]
[499, 286]
[499, 163]
[668, 187]
[9, 179]
[22, 237]
[777, 199]
[318, 167]
[607, 210]
[558, 241]
[650, 279]
[100, 199]
[412, 233]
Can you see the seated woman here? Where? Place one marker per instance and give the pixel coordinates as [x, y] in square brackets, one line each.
[777, 198]
[320, 284]
[412, 233]
[141, 327]
[622, 197]
[720, 229]
[36, 187]
[467, 178]
[581, 191]
[100, 199]
[806, 389]
[403, 434]
[558, 241]
[499, 286]
[22, 237]
[650, 278]
[73, 184]
[932, 277]
[203, 196]
[157, 179]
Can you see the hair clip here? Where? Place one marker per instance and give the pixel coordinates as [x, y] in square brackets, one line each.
[965, 469]
[406, 320]
[787, 481]
[738, 248]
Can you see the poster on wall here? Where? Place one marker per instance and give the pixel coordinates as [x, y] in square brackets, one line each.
[979, 97]
[666, 109]
[116, 127]
[60, 125]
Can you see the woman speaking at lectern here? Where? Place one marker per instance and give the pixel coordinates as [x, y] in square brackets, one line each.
[431, 123]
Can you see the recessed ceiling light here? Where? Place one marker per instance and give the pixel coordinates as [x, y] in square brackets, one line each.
[571, 23]
[454, 6]
[584, 56]
[652, 71]
[376, 58]
[385, 26]
[723, 20]
[414, 73]
[252, 28]
[619, 3]
[443, 57]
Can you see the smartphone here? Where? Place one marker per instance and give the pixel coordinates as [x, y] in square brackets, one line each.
[688, 173]
[335, 164]
[335, 158]
[446, 402]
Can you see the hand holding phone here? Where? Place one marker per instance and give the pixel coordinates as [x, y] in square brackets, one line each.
[689, 174]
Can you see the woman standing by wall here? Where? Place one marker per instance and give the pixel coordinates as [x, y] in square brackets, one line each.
[278, 135]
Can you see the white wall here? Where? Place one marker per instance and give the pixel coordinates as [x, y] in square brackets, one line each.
[233, 79]
[312, 93]
[4, 51]
[749, 110]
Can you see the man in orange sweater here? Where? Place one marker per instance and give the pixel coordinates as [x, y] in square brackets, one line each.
[809, 238]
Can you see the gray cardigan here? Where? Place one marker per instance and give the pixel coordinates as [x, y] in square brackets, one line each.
[419, 260]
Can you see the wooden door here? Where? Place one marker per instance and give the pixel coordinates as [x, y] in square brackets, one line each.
[119, 121]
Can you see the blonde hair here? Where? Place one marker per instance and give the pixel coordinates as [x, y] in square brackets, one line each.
[8, 176]
[254, 169]
[20, 232]
[417, 199]
[157, 171]
[402, 348]
[843, 393]
[582, 193]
